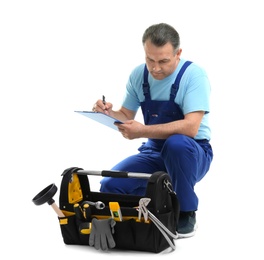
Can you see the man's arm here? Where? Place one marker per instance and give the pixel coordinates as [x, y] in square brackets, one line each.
[188, 126]
[123, 114]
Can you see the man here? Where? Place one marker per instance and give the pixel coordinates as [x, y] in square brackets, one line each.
[174, 97]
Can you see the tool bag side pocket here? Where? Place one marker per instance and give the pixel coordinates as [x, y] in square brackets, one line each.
[74, 188]
[163, 199]
[69, 230]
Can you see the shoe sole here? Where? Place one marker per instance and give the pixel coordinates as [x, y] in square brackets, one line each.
[191, 234]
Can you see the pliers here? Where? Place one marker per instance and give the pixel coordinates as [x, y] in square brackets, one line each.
[142, 209]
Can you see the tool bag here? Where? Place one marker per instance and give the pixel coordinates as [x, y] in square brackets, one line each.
[154, 235]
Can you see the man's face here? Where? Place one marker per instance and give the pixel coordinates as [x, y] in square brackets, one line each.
[161, 61]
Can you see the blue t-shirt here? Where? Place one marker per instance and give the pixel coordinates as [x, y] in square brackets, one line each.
[193, 94]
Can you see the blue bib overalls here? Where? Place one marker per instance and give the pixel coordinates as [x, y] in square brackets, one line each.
[185, 159]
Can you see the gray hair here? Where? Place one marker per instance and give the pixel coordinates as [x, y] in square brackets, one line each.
[160, 34]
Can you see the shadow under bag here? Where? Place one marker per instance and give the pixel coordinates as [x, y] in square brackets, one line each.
[139, 223]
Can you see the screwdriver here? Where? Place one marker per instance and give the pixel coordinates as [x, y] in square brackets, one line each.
[78, 211]
[86, 211]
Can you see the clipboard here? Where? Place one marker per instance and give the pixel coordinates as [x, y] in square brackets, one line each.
[101, 118]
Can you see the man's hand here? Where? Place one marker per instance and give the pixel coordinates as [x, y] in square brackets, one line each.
[102, 106]
[131, 129]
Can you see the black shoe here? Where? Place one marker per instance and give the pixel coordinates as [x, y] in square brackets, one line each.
[187, 224]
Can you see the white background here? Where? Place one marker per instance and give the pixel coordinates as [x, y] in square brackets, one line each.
[61, 56]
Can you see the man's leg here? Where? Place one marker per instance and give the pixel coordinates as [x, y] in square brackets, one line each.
[146, 161]
[187, 162]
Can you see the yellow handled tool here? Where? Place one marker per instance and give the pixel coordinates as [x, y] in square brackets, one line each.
[115, 211]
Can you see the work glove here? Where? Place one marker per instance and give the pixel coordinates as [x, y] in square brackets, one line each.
[101, 234]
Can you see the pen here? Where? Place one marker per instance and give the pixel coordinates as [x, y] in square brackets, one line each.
[103, 99]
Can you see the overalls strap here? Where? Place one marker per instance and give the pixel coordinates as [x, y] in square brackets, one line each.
[175, 86]
[146, 84]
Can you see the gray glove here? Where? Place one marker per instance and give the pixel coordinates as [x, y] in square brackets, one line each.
[101, 234]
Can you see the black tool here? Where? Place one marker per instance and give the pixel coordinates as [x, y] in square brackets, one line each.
[46, 196]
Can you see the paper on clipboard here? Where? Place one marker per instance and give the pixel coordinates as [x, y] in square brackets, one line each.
[101, 118]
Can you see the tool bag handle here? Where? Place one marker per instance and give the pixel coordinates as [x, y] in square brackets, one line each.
[80, 186]
[115, 174]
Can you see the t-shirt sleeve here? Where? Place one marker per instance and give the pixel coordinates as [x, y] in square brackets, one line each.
[197, 92]
[131, 98]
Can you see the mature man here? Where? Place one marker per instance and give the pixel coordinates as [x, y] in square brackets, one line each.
[173, 94]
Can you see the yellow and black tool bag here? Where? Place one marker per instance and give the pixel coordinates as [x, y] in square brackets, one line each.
[131, 230]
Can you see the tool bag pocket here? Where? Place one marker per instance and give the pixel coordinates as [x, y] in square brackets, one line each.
[131, 233]
[69, 229]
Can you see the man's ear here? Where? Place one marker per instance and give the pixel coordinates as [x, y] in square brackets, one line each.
[178, 53]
